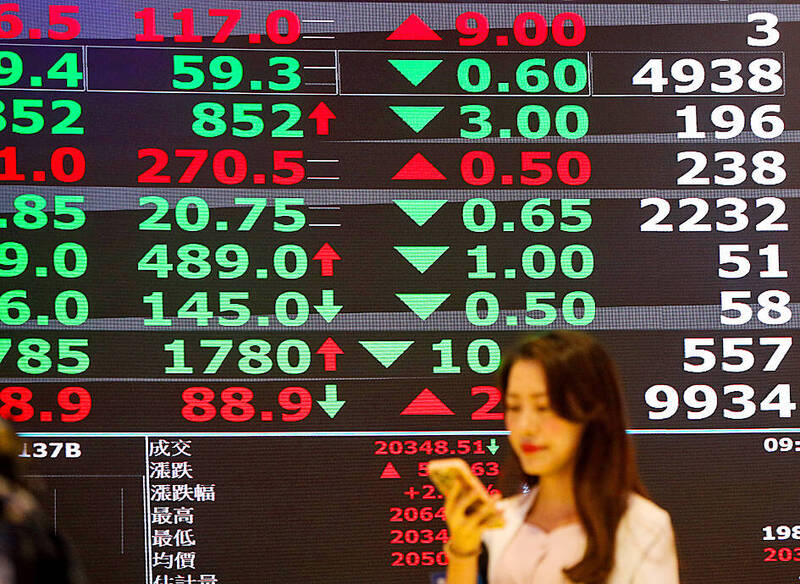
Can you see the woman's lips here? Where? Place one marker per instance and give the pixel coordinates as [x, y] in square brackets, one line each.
[531, 448]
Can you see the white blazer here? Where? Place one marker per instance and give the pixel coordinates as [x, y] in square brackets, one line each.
[645, 544]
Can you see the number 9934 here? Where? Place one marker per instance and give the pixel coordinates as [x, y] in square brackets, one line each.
[699, 401]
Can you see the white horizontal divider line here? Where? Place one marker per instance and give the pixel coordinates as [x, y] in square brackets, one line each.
[371, 433]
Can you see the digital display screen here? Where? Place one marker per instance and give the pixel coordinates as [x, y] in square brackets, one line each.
[259, 262]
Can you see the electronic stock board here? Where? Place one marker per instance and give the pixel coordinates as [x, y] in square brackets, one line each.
[260, 260]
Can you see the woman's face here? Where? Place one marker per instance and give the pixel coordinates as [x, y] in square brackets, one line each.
[545, 443]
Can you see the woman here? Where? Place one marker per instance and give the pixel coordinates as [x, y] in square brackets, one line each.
[583, 517]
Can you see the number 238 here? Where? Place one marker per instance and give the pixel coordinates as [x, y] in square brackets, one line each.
[767, 169]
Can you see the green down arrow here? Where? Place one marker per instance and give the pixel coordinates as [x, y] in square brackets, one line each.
[386, 352]
[416, 116]
[420, 210]
[423, 305]
[327, 310]
[421, 257]
[330, 404]
[415, 70]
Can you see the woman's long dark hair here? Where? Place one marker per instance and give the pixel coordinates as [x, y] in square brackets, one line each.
[583, 386]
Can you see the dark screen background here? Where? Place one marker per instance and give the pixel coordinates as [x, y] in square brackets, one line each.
[252, 494]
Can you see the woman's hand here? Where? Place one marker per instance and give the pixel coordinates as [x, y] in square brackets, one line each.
[468, 514]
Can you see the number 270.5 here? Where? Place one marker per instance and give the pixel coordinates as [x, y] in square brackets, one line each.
[228, 166]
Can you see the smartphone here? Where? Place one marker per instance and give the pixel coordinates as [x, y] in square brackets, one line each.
[445, 472]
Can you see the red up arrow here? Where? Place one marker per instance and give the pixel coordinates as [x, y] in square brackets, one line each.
[414, 29]
[329, 350]
[323, 115]
[326, 255]
[390, 472]
[418, 168]
[427, 404]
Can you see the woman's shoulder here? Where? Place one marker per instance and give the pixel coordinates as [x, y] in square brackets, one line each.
[644, 520]
[645, 546]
